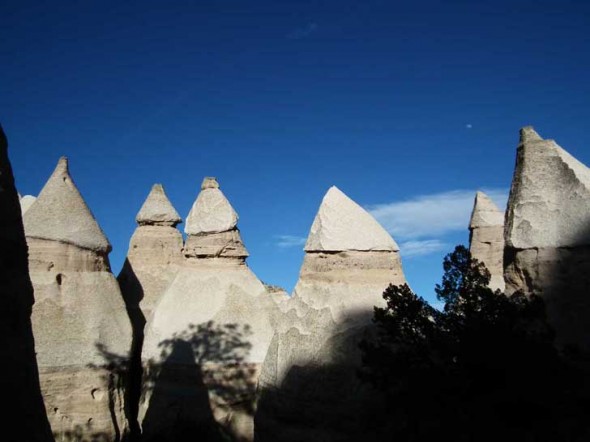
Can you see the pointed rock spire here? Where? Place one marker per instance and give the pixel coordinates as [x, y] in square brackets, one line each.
[211, 212]
[341, 224]
[529, 135]
[61, 214]
[549, 203]
[157, 209]
[26, 202]
[485, 212]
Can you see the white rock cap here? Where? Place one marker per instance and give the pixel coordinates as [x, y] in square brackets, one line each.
[26, 202]
[485, 213]
[157, 209]
[211, 212]
[341, 224]
[549, 203]
[61, 214]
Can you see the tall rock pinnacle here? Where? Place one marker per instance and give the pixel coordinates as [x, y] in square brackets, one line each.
[24, 414]
[547, 234]
[312, 360]
[215, 315]
[486, 241]
[157, 209]
[79, 320]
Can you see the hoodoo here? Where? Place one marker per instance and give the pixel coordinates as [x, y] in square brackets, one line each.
[547, 234]
[308, 385]
[486, 239]
[79, 319]
[208, 334]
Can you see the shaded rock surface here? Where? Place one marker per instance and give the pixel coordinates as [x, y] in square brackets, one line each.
[216, 314]
[547, 234]
[23, 416]
[79, 319]
[486, 240]
[308, 384]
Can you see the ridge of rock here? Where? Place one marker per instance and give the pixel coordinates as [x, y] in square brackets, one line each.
[341, 224]
[157, 209]
[61, 214]
[211, 212]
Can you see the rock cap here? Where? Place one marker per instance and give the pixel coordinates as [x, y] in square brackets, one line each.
[157, 209]
[211, 212]
[485, 212]
[341, 224]
[61, 214]
[529, 135]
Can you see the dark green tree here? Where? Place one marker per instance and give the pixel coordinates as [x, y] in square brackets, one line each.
[485, 368]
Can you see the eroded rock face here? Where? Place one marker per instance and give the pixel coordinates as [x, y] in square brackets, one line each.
[308, 385]
[79, 319]
[26, 202]
[547, 234]
[486, 241]
[208, 334]
[24, 414]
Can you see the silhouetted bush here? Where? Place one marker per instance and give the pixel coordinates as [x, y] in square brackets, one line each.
[484, 368]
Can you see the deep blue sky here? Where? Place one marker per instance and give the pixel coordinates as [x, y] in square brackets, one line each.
[389, 101]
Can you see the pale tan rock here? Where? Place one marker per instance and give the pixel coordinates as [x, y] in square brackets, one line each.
[211, 212]
[26, 202]
[157, 209]
[547, 234]
[341, 224]
[486, 240]
[79, 319]
[23, 414]
[312, 360]
[208, 334]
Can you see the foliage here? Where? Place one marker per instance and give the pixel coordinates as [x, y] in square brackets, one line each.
[484, 368]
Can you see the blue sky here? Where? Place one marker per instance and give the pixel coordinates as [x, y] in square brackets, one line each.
[408, 107]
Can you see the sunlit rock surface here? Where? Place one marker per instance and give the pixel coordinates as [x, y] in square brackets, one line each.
[24, 416]
[547, 234]
[79, 319]
[208, 334]
[308, 385]
[486, 240]
[26, 202]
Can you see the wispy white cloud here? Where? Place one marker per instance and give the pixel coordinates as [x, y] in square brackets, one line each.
[414, 248]
[431, 216]
[285, 241]
[303, 32]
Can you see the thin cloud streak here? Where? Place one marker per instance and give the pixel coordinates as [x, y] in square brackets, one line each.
[411, 249]
[431, 215]
[286, 241]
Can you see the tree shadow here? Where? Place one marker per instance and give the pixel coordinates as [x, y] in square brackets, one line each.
[200, 381]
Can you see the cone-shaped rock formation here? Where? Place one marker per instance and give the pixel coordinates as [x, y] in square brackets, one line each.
[24, 416]
[309, 388]
[218, 311]
[486, 241]
[79, 319]
[547, 234]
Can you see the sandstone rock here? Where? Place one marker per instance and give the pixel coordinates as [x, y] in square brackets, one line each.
[26, 202]
[341, 224]
[207, 335]
[79, 319]
[157, 209]
[547, 234]
[23, 415]
[486, 241]
[308, 384]
[211, 212]
[61, 214]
